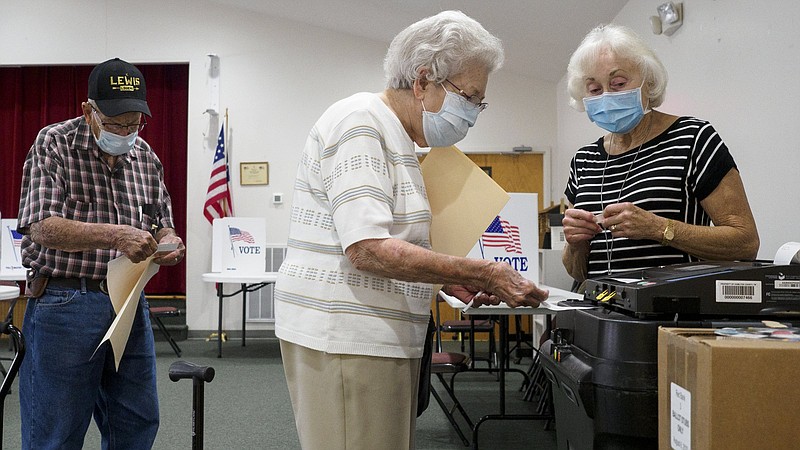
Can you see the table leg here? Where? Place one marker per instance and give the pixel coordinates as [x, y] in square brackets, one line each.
[472, 344]
[10, 319]
[503, 368]
[245, 288]
[503, 362]
[219, 317]
[244, 310]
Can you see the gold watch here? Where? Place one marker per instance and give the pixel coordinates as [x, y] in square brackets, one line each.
[669, 233]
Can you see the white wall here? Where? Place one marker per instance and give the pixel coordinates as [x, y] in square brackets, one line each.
[734, 64]
[276, 78]
[731, 63]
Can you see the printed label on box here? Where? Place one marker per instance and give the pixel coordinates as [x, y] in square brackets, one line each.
[558, 240]
[680, 418]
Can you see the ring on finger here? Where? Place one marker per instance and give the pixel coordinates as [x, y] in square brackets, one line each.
[614, 227]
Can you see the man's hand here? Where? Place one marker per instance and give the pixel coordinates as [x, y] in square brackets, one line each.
[173, 257]
[136, 244]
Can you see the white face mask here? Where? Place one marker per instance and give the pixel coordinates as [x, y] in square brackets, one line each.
[113, 144]
[451, 123]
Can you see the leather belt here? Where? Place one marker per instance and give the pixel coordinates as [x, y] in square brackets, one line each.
[77, 283]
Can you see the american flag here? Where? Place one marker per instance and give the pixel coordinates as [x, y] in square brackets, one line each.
[240, 235]
[218, 199]
[16, 238]
[500, 233]
[16, 241]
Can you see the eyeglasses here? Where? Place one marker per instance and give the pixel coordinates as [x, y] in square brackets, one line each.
[474, 99]
[117, 128]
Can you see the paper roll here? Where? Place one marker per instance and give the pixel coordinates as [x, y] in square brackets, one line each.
[789, 253]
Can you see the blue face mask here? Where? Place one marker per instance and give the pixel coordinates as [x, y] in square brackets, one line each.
[617, 112]
[113, 144]
[451, 123]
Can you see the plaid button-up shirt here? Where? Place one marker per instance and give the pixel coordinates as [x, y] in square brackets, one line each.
[65, 176]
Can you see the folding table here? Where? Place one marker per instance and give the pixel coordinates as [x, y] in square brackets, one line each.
[502, 312]
[248, 282]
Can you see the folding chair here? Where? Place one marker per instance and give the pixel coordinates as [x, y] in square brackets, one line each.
[449, 363]
[156, 313]
[467, 328]
[10, 294]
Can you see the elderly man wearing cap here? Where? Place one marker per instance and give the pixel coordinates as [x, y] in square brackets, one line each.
[92, 190]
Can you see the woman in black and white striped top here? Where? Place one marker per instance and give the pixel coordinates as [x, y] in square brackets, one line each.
[647, 193]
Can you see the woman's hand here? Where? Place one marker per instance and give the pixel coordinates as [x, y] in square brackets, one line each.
[468, 294]
[579, 226]
[512, 288]
[630, 221]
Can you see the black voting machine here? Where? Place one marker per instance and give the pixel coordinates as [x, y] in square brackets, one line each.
[603, 362]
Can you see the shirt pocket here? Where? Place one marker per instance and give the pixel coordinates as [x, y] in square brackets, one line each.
[80, 211]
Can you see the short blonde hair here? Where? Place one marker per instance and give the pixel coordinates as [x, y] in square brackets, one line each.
[625, 44]
[444, 44]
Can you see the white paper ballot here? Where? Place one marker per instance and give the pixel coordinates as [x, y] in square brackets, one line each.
[126, 281]
[164, 248]
[551, 304]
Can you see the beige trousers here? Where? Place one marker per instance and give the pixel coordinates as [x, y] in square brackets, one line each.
[351, 402]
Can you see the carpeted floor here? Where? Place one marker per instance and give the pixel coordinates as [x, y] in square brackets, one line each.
[247, 405]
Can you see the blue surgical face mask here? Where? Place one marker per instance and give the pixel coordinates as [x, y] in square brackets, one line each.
[113, 144]
[617, 112]
[451, 123]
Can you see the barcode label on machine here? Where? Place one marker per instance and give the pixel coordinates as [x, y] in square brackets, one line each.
[787, 284]
[732, 291]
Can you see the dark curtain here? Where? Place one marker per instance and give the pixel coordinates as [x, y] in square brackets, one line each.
[32, 97]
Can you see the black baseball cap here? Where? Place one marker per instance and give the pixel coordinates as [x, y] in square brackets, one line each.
[117, 87]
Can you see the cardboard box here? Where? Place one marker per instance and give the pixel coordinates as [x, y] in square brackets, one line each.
[727, 393]
[557, 238]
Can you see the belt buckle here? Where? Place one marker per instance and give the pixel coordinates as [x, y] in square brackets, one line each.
[103, 286]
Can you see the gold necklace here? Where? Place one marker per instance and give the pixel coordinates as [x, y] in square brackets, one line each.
[606, 232]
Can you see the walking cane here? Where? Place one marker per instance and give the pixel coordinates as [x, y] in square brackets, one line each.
[199, 375]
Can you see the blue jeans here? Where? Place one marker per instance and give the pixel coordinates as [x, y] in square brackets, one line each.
[61, 384]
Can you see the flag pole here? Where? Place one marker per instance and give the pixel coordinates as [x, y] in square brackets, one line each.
[228, 161]
[227, 131]
[231, 241]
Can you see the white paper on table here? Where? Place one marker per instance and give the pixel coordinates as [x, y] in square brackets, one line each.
[551, 304]
[126, 281]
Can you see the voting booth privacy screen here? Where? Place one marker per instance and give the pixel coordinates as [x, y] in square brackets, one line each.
[513, 236]
[10, 254]
[238, 245]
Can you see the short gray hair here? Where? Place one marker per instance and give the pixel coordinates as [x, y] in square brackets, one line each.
[444, 44]
[625, 44]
